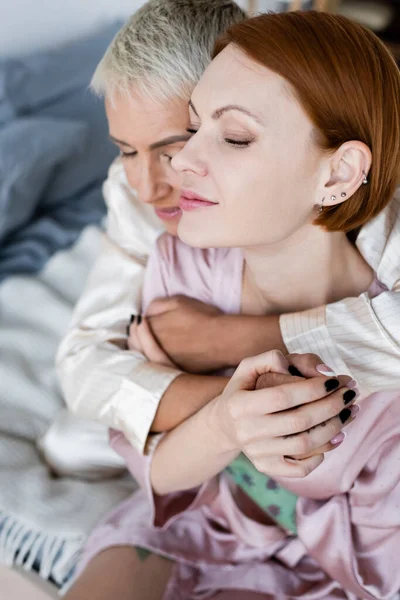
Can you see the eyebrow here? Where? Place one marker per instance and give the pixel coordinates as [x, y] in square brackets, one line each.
[217, 114]
[173, 139]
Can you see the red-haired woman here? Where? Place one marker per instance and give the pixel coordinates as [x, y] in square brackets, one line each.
[296, 143]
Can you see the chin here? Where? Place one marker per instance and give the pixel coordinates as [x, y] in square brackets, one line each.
[199, 237]
[171, 227]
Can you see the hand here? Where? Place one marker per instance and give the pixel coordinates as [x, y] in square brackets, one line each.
[306, 365]
[186, 329]
[270, 425]
[141, 339]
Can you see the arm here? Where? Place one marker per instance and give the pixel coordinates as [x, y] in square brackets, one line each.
[186, 395]
[244, 419]
[100, 379]
[200, 338]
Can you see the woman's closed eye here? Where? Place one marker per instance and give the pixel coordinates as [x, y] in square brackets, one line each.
[236, 142]
[127, 154]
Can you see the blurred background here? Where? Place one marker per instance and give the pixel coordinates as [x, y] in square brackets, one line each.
[26, 25]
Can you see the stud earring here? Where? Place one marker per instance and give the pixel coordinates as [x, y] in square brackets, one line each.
[365, 180]
[343, 194]
[321, 206]
[333, 198]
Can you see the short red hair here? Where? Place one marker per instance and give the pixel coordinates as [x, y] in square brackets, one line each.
[349, 85]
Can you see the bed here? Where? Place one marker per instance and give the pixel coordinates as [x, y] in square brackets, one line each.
[54, 156]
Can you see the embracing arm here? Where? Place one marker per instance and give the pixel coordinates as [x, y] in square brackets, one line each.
[198, 337]
[101, 379]
[263, 423]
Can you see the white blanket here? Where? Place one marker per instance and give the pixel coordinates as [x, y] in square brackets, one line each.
[42, 519]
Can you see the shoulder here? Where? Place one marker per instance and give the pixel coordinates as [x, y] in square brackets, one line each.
[379, 243]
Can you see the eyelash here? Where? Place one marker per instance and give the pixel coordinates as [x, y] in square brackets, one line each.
[235, 143]
[126, 154]
[131, 154]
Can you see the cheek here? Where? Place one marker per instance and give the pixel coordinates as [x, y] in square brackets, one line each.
[131, 172]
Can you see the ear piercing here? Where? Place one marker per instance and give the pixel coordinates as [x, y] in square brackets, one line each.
[365, 180]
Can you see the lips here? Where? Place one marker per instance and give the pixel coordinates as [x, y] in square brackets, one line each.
[191, 201]
[168, 214]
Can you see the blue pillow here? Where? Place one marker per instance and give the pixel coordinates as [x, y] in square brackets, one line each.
[31, 151]
[32, 81]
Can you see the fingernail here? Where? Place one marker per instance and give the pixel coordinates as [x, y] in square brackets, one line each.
[338, 439]
[351, 384]
[354, 410]
[325, 370]
[295, 372]
[331, 384]
[139, 319]
[345, 415]
[348, 396]
[128, 327]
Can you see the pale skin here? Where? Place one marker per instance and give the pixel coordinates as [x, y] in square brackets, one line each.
[265, 425]
[242, 118]
[209, 339]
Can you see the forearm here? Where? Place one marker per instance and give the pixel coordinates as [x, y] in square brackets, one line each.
[190, 454]
[184, 397]
[247, 335]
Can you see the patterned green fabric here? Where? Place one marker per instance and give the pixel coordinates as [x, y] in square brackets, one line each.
[275, 500]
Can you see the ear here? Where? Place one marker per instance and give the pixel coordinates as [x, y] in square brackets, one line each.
[348, 169]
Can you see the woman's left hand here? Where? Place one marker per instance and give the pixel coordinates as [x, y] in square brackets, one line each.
[141, 339]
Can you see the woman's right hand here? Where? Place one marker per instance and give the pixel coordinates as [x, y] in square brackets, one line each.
[279, 428]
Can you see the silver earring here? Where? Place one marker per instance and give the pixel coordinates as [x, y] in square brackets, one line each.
[333, 198]
[343, 194]
[365, 180]
[321, 206]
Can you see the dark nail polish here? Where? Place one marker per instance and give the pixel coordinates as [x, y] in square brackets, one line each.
[345, 415]
[295, 372]
[349, 396]
[129, 325]
[331, 384]
[139, 319]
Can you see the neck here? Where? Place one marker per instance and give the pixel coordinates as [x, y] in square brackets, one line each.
[311, 268]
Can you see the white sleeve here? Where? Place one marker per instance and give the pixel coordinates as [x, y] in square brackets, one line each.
[101, 380]
[359, 336]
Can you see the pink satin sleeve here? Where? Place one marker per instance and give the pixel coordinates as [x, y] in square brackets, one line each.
[355, 534]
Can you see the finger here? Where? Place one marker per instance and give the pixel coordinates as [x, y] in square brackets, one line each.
[320, 439]
[151, 349]
[304, 467]
[310, 365]
[160, 305]
[290, 395]
[268, 380]
[128, 327]
[133, 340]
[289, 423]
[249, 370]
[285, 467]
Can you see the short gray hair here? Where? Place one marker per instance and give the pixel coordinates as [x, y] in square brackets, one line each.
[164, 48]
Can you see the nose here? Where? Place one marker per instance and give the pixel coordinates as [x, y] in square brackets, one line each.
[189, 159]
[149, 181]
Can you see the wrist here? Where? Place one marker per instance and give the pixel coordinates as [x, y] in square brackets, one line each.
[241, 336]
[217, 434]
